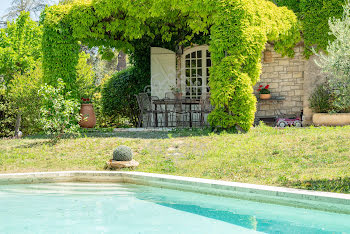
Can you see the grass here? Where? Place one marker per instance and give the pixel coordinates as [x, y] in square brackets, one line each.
[309, 158]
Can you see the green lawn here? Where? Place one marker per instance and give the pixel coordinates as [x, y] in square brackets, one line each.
[311, 158]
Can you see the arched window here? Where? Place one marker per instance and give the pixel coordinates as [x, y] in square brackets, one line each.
[196, 64]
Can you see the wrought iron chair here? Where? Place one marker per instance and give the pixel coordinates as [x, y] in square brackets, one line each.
[204, 109]
[159, 112]
[145, 109]
[147, 89]
[179, 117]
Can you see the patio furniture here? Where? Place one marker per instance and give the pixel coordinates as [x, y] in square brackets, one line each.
[178, 115]
[204, 109]
[147, 89]
[275, 100]
[147, 110]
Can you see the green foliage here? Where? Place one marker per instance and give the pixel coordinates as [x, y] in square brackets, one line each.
[122, 153]
[118, 94]
[337, 63]
[238, 38]
[314, 15]
[23, 94]
[20, 46]
[238, 29]
[320, 99]
[7, 113]
[59, 114]
[85, 76]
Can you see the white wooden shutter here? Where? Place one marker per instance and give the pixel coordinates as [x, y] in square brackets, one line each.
[163, 71]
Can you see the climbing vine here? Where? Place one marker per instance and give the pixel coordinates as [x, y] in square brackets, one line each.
[238, 31]
[314, 16]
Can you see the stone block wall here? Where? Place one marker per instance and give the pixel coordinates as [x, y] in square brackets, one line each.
[290, 78]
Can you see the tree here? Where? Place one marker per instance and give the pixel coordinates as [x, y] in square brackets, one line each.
[20, 46]
[20, 51]
[336, 64]
[18, 6]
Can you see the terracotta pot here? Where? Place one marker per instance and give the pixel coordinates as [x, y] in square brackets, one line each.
[88, 116]
[323, 119]
[178, 95]
[265, 96]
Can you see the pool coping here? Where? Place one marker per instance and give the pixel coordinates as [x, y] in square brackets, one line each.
[334, 202]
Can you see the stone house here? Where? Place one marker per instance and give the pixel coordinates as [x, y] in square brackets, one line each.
[291, 80]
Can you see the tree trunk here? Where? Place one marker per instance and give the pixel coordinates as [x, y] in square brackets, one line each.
[18, 124]
[121, 61]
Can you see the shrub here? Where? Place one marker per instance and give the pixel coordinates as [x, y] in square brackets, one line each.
[320, 99]
[118, 94]
[23, 94]
[337, 63]
[7, 114]
[59, 114]
[122, 153]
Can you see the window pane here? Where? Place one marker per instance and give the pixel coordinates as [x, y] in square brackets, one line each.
[199, 72]
[188, 72]
[208, 62]
[199, 82]
[193, 55]
[199, 54]
[208, 72]
[188, 82]
[194, 73]
[208, 54]
[193, 63]
[188, 56]
[188, 63]
[199, 62]
[194, 80]
[199, 91]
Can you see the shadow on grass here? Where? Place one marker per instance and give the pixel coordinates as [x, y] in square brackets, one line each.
[339, 185]
[100, 133]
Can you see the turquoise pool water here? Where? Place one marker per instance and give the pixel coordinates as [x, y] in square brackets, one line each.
[127, 208]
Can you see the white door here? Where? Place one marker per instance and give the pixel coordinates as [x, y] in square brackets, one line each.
[163, 71]
[195, 71]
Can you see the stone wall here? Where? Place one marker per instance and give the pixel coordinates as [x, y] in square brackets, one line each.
[290, 78]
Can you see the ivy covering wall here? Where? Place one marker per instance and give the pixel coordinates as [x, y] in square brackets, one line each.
[239, 30]
[314, 16]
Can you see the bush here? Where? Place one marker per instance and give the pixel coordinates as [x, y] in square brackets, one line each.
[59, 115]
[118, 98]
[320, 99]
[7, 114]
[23, 94]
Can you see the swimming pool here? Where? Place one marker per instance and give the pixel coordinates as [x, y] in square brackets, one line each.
[129, 208]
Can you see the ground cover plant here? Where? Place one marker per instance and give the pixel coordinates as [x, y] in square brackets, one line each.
[309, 158]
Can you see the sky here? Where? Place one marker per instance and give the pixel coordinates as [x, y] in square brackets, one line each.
[4, 5]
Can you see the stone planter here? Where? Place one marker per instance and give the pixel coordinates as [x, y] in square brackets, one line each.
[324, 119]
[88, 116]
[265, 96]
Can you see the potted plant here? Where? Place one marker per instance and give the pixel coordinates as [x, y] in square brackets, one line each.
[88, 117]
[264, 92]
[177, 92]
[326, 113]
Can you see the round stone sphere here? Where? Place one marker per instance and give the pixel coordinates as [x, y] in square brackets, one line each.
[122, 153]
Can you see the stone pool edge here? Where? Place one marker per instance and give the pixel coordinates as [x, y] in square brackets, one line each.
[334, 202]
